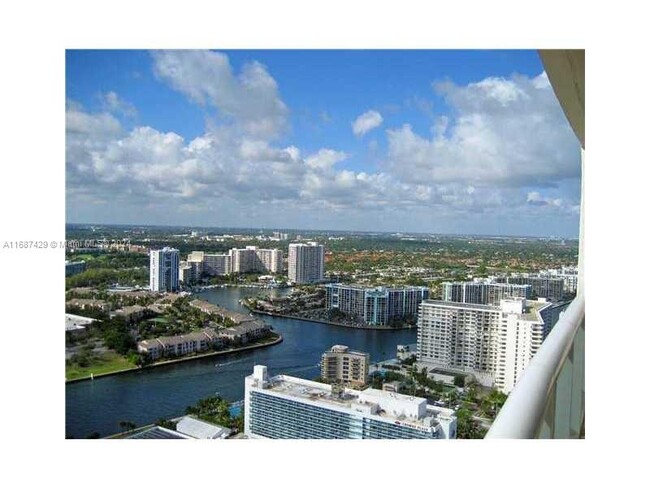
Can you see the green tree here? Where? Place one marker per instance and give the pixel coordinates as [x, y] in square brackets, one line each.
[126, 425]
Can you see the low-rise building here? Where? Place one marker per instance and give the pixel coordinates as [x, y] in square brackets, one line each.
[88, 303]
[130, 314]
[180, 345]
[392, 386]
[76, 325]
[209, 308]
[246, 332]
[200, 429]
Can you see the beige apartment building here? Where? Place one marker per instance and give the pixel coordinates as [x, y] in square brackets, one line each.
[339, 364]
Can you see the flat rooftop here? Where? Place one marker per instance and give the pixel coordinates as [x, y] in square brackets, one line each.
[356, 400]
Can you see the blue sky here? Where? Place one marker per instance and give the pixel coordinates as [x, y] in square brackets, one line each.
[428, 141]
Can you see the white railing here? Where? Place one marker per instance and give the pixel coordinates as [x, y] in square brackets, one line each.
[549, 399]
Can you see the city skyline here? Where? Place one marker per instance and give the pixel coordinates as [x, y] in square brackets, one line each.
[448, 142]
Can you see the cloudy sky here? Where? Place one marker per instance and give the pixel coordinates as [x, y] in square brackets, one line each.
[422, 141]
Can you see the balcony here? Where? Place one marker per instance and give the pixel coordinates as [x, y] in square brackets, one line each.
[548, 402]
[549, 399]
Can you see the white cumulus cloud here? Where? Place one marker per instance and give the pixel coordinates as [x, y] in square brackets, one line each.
[251, 97]
[366, 122]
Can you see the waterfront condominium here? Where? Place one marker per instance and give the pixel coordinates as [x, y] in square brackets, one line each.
[548, 287]
[341, 365]
[284, 407]
[251, 259]
[375, 306]
[495, 343]
[483, 292]
[163, 269]
[306, 263]
[248, 260]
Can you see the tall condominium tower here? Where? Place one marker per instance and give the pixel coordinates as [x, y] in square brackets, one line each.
[284, 407]
[163, 269]
[306, 263]
[341, 365]
[495, 342]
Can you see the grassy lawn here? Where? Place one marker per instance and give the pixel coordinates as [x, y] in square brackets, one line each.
[106, 363]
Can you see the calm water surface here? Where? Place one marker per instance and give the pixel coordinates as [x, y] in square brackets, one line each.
[143, 397]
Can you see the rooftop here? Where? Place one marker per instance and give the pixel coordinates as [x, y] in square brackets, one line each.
[200, 429]
[76, 322]
[208, 307]
[387, 405]
[158, 432]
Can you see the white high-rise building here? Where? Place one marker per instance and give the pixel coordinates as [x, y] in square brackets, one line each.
[495, 342]
[306, 263]
[251, 259]
[217, 264]
[483, 292]
[284, 407]
[163, 269]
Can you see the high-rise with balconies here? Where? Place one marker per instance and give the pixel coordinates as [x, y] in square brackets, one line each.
[483, 292]
[375, 306]
[495, 342]
[163, 269]
[306, 263]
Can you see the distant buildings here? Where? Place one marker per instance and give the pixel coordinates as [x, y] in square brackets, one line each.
[73, 268]
[217, 264]
[284, 407]
[248, 260]
[483, 292]
[340, 365]
[494, 342]
[88, 303]
[306, 263]
[251, 259]
[375, 306]
[548, 287]
[568, 274]
[163, 269]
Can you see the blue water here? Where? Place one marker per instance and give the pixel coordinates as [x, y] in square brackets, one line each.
[143, 397]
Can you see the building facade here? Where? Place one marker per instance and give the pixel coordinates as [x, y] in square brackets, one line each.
[284, 407]
[163, 269]
[248, 260]
[483, 292]
[306, 263]
[254, 260]
[495, 342]
[217, 264]
[341, 365]
[73, 268]
[549, 287]
[375, 306]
